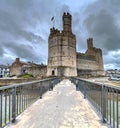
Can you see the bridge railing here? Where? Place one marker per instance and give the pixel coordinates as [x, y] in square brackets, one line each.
[14, 99]
[104, 98]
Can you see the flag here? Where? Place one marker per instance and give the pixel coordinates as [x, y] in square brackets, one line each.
[52, 18]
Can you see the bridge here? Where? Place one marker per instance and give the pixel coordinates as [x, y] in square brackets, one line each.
[59, 103]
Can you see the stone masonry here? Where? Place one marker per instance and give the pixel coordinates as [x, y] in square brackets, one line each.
[19, 67]
[62, 50]
[63, 60]
[90, 63]
[15, 68]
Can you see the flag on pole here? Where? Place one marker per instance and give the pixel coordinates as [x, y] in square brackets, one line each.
[52, 18]
[53, 21]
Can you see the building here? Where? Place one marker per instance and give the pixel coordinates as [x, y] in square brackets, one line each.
[4, 71]
[16, 67]
[37, 70]
[19, 67]
[113, 72]
[62, 50]
[63, 60]
[90, 63]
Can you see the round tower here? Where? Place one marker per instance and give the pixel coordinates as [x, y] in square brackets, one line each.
[67, 22]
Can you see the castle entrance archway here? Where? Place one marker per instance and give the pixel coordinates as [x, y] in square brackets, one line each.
[53, 72]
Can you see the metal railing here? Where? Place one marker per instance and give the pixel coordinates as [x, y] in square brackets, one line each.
[104, 98]
[14, 99]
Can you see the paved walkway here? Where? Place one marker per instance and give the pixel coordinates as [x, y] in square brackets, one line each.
[64, 107]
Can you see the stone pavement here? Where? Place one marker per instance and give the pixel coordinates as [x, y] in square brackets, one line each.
[64, 107]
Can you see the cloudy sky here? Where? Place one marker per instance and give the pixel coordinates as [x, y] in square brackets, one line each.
[25, 25]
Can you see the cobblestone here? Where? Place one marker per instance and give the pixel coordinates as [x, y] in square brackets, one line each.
[64, 107]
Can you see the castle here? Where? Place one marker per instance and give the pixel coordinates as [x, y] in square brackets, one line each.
[63, 60]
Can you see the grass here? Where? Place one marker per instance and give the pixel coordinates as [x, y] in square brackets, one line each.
[27, 76]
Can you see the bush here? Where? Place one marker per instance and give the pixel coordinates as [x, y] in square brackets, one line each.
[26, 76]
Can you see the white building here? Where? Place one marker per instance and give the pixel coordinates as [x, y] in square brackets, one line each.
[4, 71]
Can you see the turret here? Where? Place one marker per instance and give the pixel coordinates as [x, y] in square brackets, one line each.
[90, 43]
[17, 60]
[67, 22]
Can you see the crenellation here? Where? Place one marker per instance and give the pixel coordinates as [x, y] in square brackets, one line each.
[67, 26]
[90, 43]
[54, 32]
[86, 57]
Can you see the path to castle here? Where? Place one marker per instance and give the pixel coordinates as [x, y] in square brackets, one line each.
[64, 107]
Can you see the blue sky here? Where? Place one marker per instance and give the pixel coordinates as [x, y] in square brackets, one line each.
[25, 27]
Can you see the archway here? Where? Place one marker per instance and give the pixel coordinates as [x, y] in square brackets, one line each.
[53, 72]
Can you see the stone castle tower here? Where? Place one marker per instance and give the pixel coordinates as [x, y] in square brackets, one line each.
[62, 50]
[90, 63]
[97, 52]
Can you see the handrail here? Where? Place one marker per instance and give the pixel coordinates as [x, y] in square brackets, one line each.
[107, 85]
[25, 83]
[104, 98]
[14, 99]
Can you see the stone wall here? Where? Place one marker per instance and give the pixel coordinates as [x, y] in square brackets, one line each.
[87, 64]
[4, 82]
[15, 68]
[38, 71]
[62, 57]
[96, 52]
[86, 73]
[90, 63]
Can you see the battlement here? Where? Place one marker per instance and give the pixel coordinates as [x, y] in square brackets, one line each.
[90, 43]
[90, 46]
[90, 40]
[67, 19]
[17, 60]
[54, 32]
[67, 15]
[86, 57]
[97, 50]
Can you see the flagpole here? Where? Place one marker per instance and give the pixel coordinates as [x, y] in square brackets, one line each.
[53, 21]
